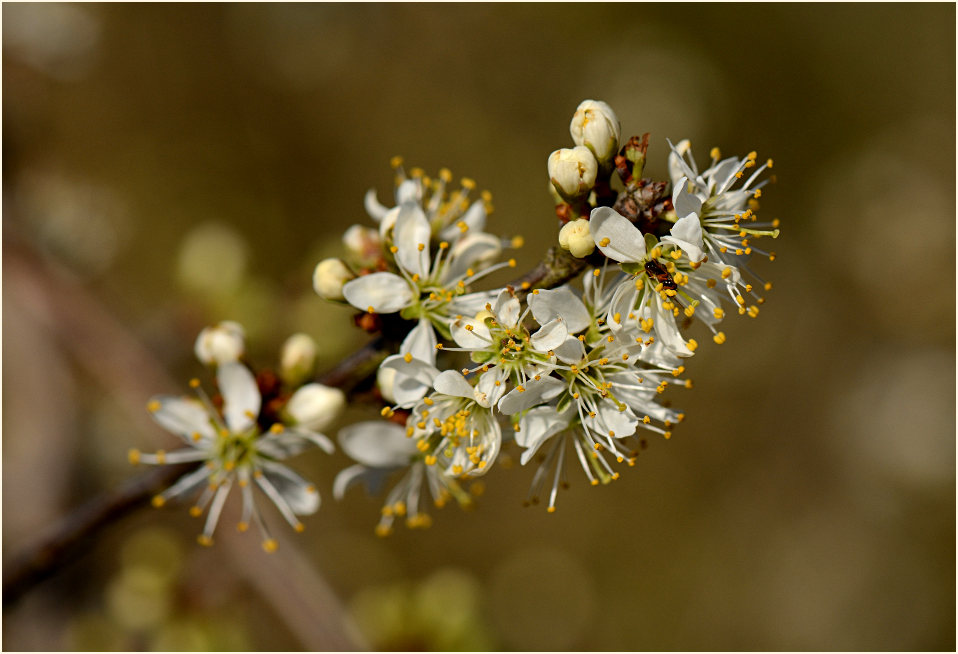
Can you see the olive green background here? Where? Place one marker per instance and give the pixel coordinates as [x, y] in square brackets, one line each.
[169, 166]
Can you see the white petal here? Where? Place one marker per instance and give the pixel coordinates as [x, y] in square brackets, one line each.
[375, 210]
[411, 237]
[687, 235]
[571, 351]
[471, 303]
[550, 336]
[507, 309]
[562, 302]
[301, 495]
[451, 382]
[474, 218]
[291, 441]
[612, 422]
[421, 342]
[382, 291]
[409, 191]
[477, 338]
[625, 241]
[378, 444]
[347, 478]
[487, 392]
[241, 399]
[184, 417]
[536, 427]
[536, 392]
[685, 201]
[472, 251]
[668, 332]
[678, 166]
[421, 371]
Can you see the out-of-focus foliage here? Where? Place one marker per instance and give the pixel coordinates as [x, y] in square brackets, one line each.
[180, 165]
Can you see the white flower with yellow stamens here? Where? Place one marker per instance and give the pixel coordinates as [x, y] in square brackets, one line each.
[648, 296]
[725, 205]
[503, 349]
[600, 396]
[454, 431]
[236, 451]
[426, 286]
[381, 449]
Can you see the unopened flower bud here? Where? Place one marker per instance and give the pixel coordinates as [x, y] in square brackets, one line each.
[329, 277]
[315, 407]
[576, 237]
[385, 378]
[573, 171]
[297, 358]
[364, 245]
[224, 343]
[596, 126]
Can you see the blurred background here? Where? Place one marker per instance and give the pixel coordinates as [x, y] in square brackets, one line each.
[167, 167]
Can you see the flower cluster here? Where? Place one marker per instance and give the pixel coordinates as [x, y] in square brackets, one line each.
[566, 373]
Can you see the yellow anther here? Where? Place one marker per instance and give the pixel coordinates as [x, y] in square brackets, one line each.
[386, 412]
[396, 161]
[596, 272]
[594, 482]
[204, 540]
[710, 283]
[719, 313]
[277, 428]
[692, 344]
[617, 318]
[153, 406]
[751, 155]
[604, 242]
[715, 153]
[468, 183]
[667, 435]
[726, 273]
[407, 357]
[512, 263]
[463, 227]
[158, 501]
[299, 527]
[370, 309]
[430, 460]
[393, 249]
[133, 456]
[243, 483]
[740, 299]
[769, 163]
[270, 545]
[196, 511]
[771, 256]
[229, 465]
[242, 526]
[719, 338]
[258, 474]
[161, 457]
[521, 389]
[582, 337]
[753, 311]
[676, 254]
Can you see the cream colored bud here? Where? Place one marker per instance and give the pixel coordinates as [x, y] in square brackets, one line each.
[315, 406]
[364, 244]
[297, 358]
[329, 277]
[573, 171]
[385, 378]
[224, 343]
[596, 126]
[576, 237]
